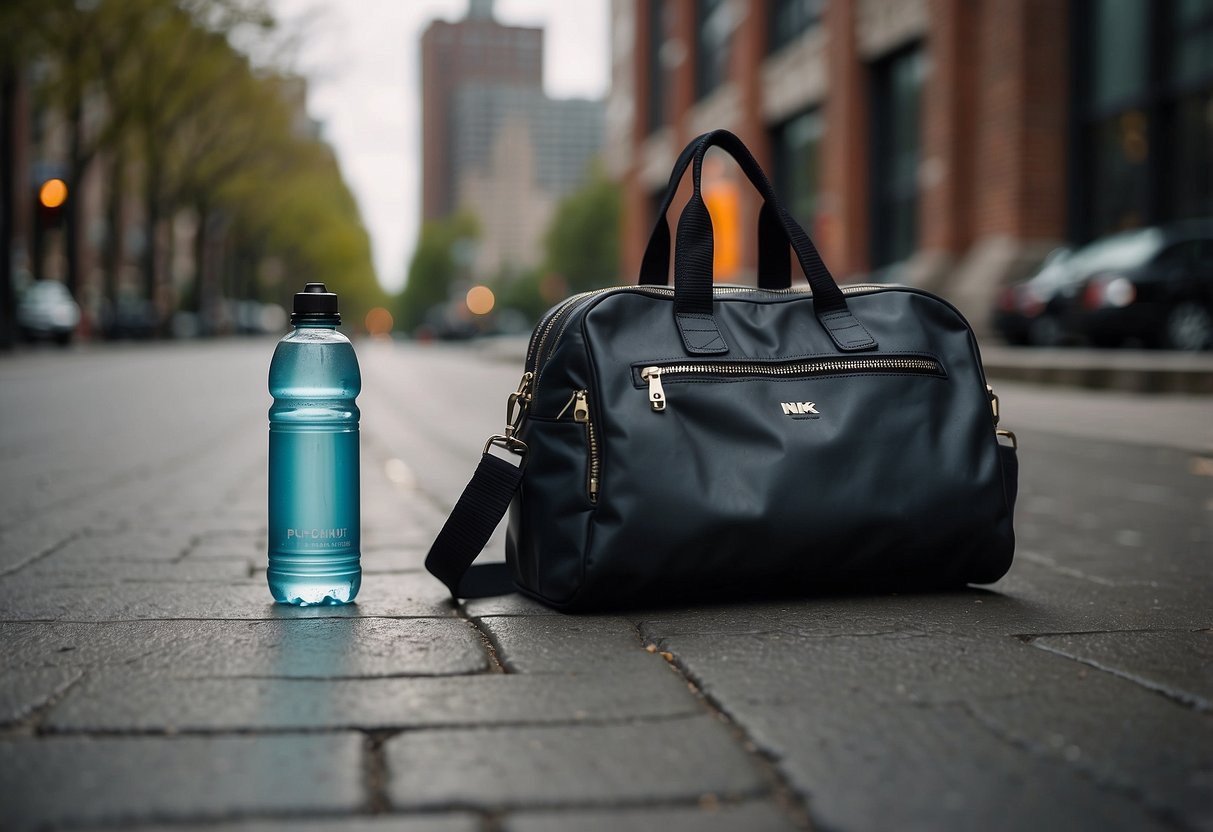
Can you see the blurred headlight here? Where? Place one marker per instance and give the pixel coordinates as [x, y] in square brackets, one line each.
[1119, 292]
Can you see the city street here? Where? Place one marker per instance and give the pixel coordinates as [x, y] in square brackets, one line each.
[148, 682]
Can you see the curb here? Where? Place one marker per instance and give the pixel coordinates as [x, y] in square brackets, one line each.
[1127, 371]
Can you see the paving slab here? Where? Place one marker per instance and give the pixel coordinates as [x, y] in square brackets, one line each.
[581, 644]
[744, 817]
[250, 544]
[140, 702]
[453, 822]
[569, 766]
[22, 693]
[1032, 718]
[909, 767]
[60, 572]
[1032, 599]
[1176, 664]
[406, 595]
[306, 648]
[515, 604]
[52, 781]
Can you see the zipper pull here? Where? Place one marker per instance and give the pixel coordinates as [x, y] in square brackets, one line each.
[656, 392]
[581, 407]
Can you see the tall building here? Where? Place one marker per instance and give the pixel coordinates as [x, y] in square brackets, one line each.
[493, 143]
[946, 143]
[517, 153]
[477, 48]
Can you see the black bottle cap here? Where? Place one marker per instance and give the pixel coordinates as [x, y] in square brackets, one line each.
[314, 303]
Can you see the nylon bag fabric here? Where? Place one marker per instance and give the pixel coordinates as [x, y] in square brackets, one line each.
[713, 442]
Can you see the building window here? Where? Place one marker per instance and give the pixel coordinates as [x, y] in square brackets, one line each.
[791, 18]
[1143, 104]
[659, 78]
[897, 83]
[796, 151]
[714, 24]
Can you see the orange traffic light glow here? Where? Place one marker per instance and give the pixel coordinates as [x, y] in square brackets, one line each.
[53, 193]
[379, 321]
[480, 300]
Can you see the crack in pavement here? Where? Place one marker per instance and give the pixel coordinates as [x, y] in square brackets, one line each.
[1101, 780]
[782, 791]
[1181, 697]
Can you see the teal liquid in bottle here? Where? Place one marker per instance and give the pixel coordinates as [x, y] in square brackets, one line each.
[314, 546]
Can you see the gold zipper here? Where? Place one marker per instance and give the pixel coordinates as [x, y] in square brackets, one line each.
[820, 367]
[535, 350]
[580, 403]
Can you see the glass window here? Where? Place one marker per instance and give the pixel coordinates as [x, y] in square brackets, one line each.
[714, 25]
[658, 77]
[1179, 256]
[1191, 52]
[1119, 55]
[1192, 160]
[796, 148]
[1121, 175]
[790, 18]
[1145, 106]
[896, 126]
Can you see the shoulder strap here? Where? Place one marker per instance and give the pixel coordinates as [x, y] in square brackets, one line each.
[467, 530]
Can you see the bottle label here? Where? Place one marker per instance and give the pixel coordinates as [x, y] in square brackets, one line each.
[320, 538]
[313, 492]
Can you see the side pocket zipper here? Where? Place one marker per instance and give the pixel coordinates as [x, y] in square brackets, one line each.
[581, 414]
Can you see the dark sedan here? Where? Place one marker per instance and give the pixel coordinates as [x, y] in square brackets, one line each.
[1031, 312]
[1152, 287]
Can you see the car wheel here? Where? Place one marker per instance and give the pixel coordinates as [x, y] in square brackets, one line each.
[1045, 331]
[63, 338]
[1189, 327]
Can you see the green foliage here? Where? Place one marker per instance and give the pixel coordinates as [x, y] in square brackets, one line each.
[433, 269]
[583, 240]
[210, 132]
[581, 251]
[523, 292]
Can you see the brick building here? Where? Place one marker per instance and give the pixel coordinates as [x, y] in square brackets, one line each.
[453, 55]
[945, 143]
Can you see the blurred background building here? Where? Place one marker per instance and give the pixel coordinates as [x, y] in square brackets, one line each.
[946, 143]
[494, 144]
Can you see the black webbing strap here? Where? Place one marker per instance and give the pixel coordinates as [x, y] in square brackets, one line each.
[774, 251]
[480, 508]
[774, 248]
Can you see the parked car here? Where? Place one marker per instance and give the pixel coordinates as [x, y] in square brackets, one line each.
[47, 311]
[129, 317]
[1030, 312]
[1150, 286]
[1153, 286]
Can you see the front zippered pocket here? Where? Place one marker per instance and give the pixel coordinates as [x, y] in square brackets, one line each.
[653, 375]
[580, 404]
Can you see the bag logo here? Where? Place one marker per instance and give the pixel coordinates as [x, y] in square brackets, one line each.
[801, 410]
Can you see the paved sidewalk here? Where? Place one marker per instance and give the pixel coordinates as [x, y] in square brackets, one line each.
[148, 682]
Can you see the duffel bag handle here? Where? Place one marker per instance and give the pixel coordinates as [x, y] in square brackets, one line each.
[774, 260]
[693, 301]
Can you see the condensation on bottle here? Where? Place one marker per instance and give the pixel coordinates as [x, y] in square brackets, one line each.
[314, 536]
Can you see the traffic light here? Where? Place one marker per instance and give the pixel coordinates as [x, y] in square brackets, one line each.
[52, 196]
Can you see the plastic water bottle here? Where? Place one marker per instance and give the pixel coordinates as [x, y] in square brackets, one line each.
[313, 495]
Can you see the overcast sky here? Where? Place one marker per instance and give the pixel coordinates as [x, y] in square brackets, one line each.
[362, 58]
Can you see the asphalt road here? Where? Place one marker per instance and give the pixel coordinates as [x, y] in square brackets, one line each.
[147, 682]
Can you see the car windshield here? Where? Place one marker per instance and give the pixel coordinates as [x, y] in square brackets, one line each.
[46, 290]
[1122, 251]
[1055, 271]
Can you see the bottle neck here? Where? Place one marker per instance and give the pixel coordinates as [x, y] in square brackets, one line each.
[316, 323]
